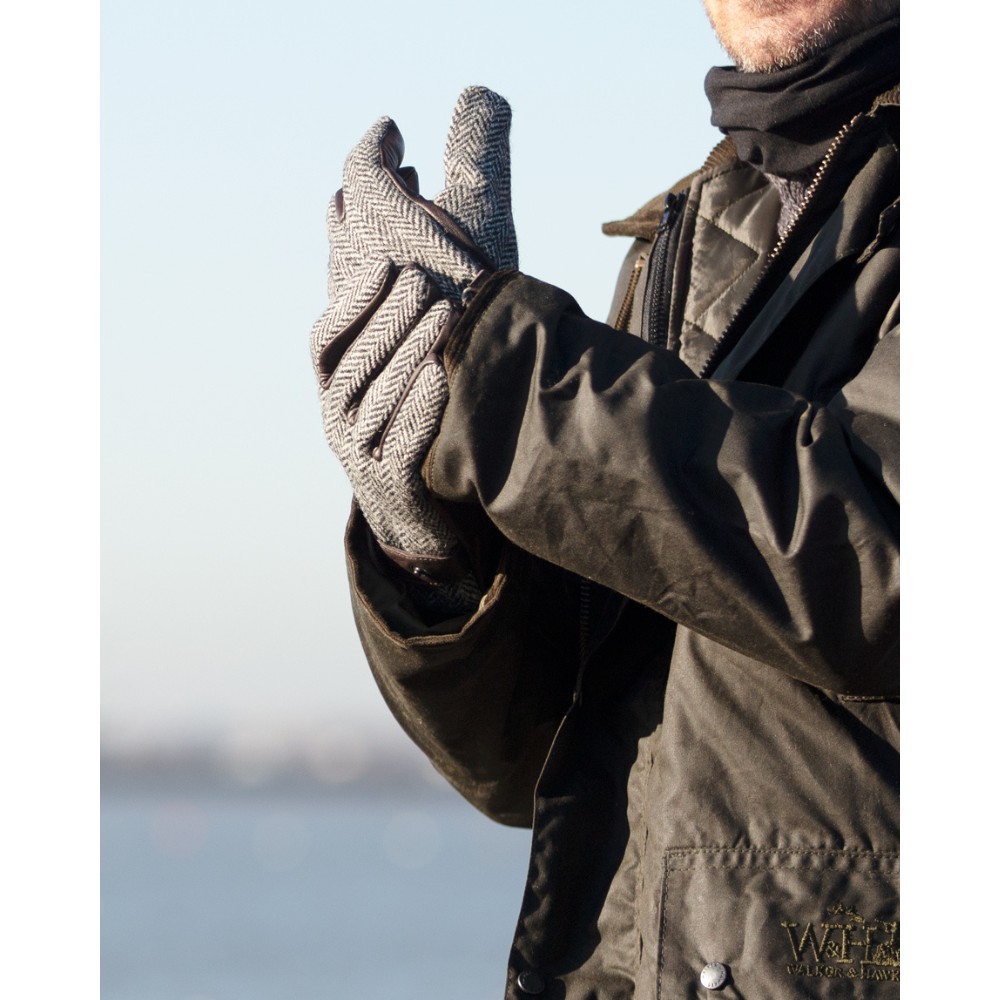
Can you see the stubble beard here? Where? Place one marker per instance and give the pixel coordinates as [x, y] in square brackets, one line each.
[765, 35]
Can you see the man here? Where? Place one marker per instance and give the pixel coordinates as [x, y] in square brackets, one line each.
[640, 591]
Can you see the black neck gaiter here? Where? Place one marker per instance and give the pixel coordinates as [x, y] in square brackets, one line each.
[784, 121]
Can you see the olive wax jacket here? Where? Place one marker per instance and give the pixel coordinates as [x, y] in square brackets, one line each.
[684, 671]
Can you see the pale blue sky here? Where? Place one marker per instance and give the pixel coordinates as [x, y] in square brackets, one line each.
[224, 129]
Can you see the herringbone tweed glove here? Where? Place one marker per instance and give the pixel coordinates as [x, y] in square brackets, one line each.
[377, 348]
[377, 358]
[468, 227]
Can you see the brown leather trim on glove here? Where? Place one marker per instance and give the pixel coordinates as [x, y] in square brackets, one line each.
[429, 569]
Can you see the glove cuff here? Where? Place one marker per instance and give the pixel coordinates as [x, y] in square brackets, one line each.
[428, 569]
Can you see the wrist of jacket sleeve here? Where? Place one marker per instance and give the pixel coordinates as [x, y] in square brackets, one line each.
[434, 600]
[482, 694]
[739, 510]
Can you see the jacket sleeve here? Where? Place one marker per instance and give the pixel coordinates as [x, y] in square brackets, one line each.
[760, 519]
[481, 695]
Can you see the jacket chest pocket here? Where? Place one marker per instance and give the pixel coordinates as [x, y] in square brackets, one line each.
[774, 924]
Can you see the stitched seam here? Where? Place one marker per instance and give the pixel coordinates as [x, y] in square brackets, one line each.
[731, 169]
[890, 876]
[661, 964]
[755, 860]
[427, 468]
[698, 327]
[728, 288]
[716, 848]
[428, 642]
[890, 699]
[748, 194]
[643, 850]
[725, 291]
[732, 236]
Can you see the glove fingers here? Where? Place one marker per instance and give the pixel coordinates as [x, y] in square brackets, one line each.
[477, 173]
[345, 258]
[334, 332]
[477, 150]
[383, 397]
[382, 145]
[393, 429]
[379, 213]
[365, 210]
[390, 325]
[416, 422]
[378, 190]
[413, 428]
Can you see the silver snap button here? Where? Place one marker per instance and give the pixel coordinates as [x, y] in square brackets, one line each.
[530, 982]
[714, 975]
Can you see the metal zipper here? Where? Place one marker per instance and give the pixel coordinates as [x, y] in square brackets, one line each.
[723, 343]
[811, 190]
[625, 312]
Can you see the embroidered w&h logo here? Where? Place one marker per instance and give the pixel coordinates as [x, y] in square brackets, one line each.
[844, 946]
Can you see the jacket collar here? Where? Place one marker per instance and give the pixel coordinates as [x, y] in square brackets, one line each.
[642, 224]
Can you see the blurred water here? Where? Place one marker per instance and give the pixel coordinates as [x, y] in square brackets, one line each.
[303, 897]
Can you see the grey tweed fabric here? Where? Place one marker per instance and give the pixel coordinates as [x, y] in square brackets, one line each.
[379, 212]
[444, 600]
[349, 302]
[383, 402]
[383, 396]
[477, 174]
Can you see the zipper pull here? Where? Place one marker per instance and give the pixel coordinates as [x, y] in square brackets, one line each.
[670, 203]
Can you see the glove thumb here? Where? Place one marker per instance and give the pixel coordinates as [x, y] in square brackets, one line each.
[477, 174]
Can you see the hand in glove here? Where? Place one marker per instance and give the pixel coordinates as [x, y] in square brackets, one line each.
[467, 228]
[383, 388]
[377, 349]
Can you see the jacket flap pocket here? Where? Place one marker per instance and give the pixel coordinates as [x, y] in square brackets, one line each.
[781, 923]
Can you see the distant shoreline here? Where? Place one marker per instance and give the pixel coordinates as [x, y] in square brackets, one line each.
[399, 770]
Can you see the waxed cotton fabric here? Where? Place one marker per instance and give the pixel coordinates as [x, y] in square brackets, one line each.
[712, 776]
